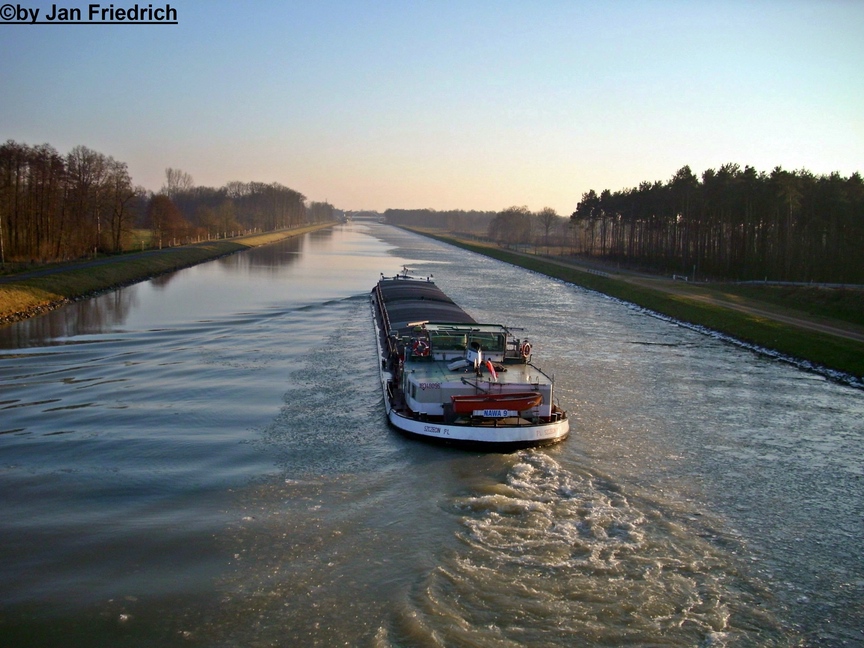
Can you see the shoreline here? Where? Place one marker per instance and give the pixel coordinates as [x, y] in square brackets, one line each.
[828, 347]
[36, 292]
[831, 348]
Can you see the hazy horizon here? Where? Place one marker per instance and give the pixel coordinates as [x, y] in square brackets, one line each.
[446, 105]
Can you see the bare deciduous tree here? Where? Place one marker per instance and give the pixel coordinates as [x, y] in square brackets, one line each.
[547, 217]
[176, 181]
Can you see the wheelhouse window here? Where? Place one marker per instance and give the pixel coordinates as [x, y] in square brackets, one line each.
[447, 341]
[488, 341]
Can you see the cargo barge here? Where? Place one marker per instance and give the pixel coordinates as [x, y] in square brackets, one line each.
[447, 378]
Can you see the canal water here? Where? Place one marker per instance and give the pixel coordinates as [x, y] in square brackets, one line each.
[203, 460]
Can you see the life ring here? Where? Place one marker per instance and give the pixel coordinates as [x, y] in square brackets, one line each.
[525, 349]
[420, 348]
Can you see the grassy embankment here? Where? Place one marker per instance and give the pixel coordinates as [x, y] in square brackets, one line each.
[819, 348]
[31, 295]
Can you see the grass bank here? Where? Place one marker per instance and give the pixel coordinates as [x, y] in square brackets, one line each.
[38, 291]
[821, 349]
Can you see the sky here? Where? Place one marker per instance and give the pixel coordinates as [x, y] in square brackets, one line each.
[445, 104]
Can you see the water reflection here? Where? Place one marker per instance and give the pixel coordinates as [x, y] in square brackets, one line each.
[87, 317]
[160, 282]
[150, 303]
[270, 260]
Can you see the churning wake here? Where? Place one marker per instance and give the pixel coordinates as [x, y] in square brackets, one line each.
[552, 558]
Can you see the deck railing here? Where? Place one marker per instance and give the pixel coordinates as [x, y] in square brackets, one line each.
[385, 318]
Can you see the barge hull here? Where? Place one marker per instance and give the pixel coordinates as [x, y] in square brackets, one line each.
[427, 364]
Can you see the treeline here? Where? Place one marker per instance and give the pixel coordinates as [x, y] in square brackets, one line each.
[732, 223]
[57, 207]
[236, 207]
[517, 226]
[453, 220]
